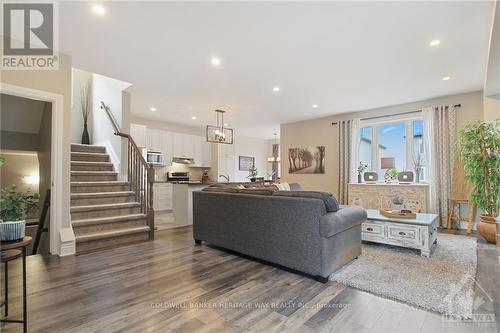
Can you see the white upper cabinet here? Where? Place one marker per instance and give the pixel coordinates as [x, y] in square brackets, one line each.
[172, 145]
[167, 147]
[154, 139]
[138, 133]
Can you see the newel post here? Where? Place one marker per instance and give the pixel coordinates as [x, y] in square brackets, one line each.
[151, 212]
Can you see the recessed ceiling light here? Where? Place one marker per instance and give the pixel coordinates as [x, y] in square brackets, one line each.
[276, 88]
[315, 106]
[194, 118]
[98, 9]
[153, 109]
[445, 78]
[215, 61]
[435, 42]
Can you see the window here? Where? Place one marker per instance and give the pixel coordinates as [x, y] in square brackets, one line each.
[399, 140]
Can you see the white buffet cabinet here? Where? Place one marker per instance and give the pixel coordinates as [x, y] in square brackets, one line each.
[173, 144]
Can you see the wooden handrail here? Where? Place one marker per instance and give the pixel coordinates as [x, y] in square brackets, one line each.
[140, 174]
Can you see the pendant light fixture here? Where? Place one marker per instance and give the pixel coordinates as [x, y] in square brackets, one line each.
[219, 133]
[275, 157]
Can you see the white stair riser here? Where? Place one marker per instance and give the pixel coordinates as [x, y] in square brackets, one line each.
[104, 213]
[85, 229]
[90, 158]
[91, 167]
[91, 246]
[94, 177]
[88, 149]
[100, 200]
[99, 188]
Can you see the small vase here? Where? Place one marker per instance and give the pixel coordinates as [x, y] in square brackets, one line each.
[253, 179]
[359, 178]
[85, 135]
[417, 176]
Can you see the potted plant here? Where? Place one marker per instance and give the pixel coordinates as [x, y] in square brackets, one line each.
[252, 173]
[85, 104]
[13, 208]
[480, 153]
[361, 168]
[398, 202]
[390, 175]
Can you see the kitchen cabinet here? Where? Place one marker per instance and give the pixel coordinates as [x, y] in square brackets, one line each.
[202, 152]
[138, 133]
[172, 144]
[167, 146]
[154, 139]
[162, 196]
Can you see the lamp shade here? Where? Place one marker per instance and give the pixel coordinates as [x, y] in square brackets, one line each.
[387, 162]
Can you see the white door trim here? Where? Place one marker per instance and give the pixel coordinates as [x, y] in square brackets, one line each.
[58, 244]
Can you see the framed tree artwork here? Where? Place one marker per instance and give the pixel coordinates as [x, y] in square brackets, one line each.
[310, 160]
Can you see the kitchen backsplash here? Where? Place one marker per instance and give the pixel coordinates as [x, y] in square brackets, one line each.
[161, 172]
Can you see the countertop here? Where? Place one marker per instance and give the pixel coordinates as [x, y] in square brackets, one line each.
[190, 182]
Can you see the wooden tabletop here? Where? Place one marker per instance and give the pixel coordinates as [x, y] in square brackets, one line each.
[9, 255]
[16, 244]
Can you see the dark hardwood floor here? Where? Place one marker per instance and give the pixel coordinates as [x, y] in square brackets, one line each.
[171, 285]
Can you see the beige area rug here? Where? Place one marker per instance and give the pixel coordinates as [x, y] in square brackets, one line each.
[443, 283]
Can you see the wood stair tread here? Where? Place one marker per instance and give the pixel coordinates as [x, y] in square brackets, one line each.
[101, 194]
[110, 219]
[85, 145]
[92, 172]
[105, 206]
[110, 234]
[87, 153]
[91, 163]
[100, 183]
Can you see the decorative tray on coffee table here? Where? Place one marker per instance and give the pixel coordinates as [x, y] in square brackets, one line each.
[397, 213]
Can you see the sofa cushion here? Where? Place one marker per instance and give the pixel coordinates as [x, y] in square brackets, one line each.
[345, 218]
[329, 200]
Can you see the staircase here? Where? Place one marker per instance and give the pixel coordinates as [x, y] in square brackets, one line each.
[105, 212]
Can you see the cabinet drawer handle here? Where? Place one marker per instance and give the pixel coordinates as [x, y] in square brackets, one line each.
[402, 233]
[369, 229]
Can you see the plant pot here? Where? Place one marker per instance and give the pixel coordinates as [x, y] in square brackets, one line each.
[498, 232]
[487, 218]
[253, 179]
[487, 229]
[12, 230]
[85, 135]
[359, 178]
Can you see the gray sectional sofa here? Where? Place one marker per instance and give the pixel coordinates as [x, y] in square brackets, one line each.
[290, 229]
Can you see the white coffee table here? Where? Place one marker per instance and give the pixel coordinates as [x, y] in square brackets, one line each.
[419, 233]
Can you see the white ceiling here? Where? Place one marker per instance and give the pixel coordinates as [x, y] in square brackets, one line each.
[343, 56]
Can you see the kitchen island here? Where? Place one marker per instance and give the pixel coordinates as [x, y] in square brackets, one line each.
[182, 197]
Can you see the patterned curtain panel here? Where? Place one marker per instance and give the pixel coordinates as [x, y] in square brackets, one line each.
[440, 127]
[345, 146]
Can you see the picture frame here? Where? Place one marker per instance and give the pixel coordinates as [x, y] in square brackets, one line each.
[246, 163]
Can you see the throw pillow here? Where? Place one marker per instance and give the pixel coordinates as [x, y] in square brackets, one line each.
[283, 186]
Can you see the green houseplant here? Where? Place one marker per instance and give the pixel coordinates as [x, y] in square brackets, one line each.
[13, 208]
[361, 168]
[252, 173]
[480, 153]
